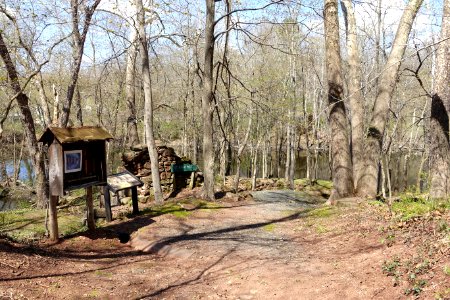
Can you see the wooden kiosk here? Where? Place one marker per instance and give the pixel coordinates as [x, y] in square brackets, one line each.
[77, 159]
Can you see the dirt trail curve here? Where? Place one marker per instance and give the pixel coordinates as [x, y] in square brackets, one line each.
[268, 248]
[258, 250]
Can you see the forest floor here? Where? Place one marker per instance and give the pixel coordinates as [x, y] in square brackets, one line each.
[269, 244]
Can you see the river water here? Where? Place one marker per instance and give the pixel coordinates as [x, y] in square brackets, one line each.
[400, 181]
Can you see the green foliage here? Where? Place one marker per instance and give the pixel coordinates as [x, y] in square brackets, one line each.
[170, 129]
[417, 288]
[390, 267]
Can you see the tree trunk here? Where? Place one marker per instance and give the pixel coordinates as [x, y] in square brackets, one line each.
[27, 121]
[367, 185]
[79, 108]
[130, 90]
[44, 100]
[340, 148]
[354, 91]
[439, 122]
[55, 105]
[207, 104]
[287, 165]
[148, 97]
[255, 166]
[292, 163]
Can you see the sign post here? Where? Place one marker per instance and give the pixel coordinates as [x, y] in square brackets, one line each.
[121, 181]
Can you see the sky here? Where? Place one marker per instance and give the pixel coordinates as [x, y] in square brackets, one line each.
[173, 11]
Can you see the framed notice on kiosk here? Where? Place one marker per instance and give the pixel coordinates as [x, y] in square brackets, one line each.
[72, 161]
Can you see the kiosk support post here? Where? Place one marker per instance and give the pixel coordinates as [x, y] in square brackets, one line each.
[53, 219]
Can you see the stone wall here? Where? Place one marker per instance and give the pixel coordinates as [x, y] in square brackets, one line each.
[137, 161]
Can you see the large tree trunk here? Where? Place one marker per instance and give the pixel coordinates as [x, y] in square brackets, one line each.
[207, 105]
[340, 148]
[148, 110]
[130, 90]
[77, 52]
[27, 121]
[367, 185]
[439, 122]
[354, 91]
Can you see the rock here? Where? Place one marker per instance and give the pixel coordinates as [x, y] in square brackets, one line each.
[139, 147]
[3, 192]
[126, 200]
[142, 199]
[99, 213]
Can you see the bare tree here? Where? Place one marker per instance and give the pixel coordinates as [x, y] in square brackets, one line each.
[340, 149]
[367, 185]
[354, 91]
[27, 123]
[148, 110]
[207, 104]
[130, 90]
[79, 38]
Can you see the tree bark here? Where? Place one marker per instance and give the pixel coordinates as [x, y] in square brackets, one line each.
[148, 110]
[79, 108]
[340, 148]
[439, 122]
[367, 185]
[207, 104]
[355, 94]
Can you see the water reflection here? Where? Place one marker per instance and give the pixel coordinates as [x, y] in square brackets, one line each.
[25, 171]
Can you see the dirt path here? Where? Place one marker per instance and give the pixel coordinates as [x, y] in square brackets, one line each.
[269, 248]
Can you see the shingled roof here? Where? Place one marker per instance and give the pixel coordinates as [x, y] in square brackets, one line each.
[74, 134]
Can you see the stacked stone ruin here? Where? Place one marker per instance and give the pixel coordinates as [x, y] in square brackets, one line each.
[137, 161]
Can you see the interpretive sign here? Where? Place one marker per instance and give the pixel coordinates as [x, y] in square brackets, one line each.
[123, 180]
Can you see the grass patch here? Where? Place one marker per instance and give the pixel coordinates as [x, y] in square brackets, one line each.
[169, 208]
[180, 209]
[101, 273]
[321, 229]
[376, 203]
[325, 183]
[322, 212]
[27, 225]
[23, 224]
[269, 227]
[410, 207]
